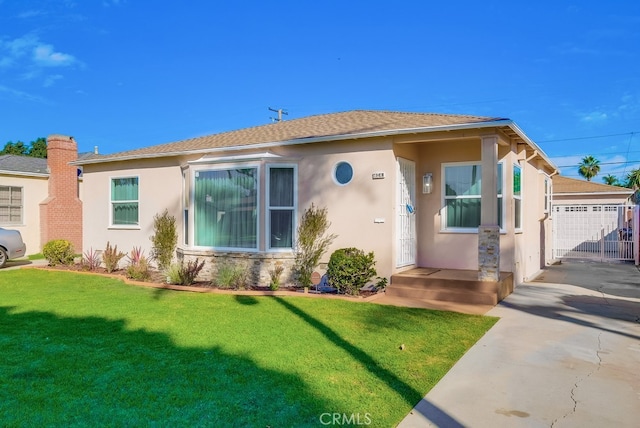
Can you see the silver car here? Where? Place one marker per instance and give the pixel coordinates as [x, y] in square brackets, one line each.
[11, 245]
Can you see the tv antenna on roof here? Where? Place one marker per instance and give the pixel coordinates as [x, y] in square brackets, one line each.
[280, 113]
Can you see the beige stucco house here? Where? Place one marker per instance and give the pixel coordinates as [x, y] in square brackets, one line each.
[419, 190]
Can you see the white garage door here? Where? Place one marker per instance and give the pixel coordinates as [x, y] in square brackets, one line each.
[601, 232]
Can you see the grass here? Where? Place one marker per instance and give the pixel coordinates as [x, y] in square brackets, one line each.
[82, 350]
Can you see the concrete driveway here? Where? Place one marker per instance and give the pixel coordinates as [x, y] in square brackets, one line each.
[562, 355]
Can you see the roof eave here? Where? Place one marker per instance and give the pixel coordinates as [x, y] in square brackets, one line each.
[621, 193]
[530, 142]
[462, 126]
[24, 173]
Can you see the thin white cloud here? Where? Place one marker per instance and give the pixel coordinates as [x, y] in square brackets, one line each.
[31, 14]
[28, 58]
[29, 47]
[108, 3]
[12, 50]
[21, 95]
[51, 80]
[594, 117]
[45, 55]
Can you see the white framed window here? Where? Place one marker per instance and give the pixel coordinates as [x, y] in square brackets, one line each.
[462, 190]
[125, 202]
[11, 205]
[225, 204]
[517, 197]
[185, 204]
[547, 194]
[281, 203]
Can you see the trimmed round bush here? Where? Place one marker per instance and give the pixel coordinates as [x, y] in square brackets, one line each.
[350, 269]
[58, 252]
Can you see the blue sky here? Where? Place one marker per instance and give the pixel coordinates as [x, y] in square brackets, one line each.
[123, 74]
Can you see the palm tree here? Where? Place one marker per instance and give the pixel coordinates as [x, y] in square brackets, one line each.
[589, 167]
[633, 182]
[611, 180]
[633, 179]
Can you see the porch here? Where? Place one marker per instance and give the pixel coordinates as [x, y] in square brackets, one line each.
[446, 289]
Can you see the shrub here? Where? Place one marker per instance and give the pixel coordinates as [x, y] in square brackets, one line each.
[111, 257]
[58, 252]
[275, 274]
[138, 269]
[164, 239]
[91, 260]
[231, 276]
[173, 273]
[312, 243]
[182, 274]
[350, 269]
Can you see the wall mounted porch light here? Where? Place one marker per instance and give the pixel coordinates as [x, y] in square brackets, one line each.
[427, 183]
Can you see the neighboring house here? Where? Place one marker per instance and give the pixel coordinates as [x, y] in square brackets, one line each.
[24, 183]
[413, 188]
[571, 191]
[39, 197]
[592, 220]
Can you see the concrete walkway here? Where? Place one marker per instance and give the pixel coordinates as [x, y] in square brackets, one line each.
[560, 356]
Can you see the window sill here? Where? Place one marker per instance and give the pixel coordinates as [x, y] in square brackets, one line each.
[123, 227]
[470, 231]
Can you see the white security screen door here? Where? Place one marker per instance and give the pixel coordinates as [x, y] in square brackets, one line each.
[405, 212]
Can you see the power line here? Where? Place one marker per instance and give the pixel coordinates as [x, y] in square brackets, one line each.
[600, 163]
[628, 148]
[588, 138]
[280, 113]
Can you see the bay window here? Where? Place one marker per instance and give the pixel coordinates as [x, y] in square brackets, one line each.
[281, 206]
[226, 208]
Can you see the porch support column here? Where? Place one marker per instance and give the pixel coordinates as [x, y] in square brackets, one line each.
[489, 231]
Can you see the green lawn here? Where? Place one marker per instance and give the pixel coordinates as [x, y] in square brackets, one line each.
[82, 350]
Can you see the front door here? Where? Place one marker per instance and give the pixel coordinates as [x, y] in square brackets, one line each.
[405, 212]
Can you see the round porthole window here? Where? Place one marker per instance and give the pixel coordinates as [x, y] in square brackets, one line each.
[343, 173]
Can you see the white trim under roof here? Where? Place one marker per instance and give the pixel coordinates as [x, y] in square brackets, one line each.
[594, 193]
[246, 157]
[24, 174]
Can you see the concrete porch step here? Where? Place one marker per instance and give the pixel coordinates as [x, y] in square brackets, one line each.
[449, 285]
[453, 294]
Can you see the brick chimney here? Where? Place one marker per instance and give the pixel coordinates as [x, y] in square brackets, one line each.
[61, 212]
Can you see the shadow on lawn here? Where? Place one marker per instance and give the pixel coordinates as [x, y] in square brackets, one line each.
[408, 393]
[96, 372]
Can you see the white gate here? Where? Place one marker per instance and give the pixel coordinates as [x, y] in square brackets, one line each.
[405, 209]
[602, 232]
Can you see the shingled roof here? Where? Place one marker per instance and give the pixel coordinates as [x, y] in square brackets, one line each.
[312, 128]
[566, 185]
[26, 165]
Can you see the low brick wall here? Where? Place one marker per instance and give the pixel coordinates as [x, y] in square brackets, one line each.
[258, 265]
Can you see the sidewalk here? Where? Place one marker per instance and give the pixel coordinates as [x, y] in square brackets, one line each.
[561, 356]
